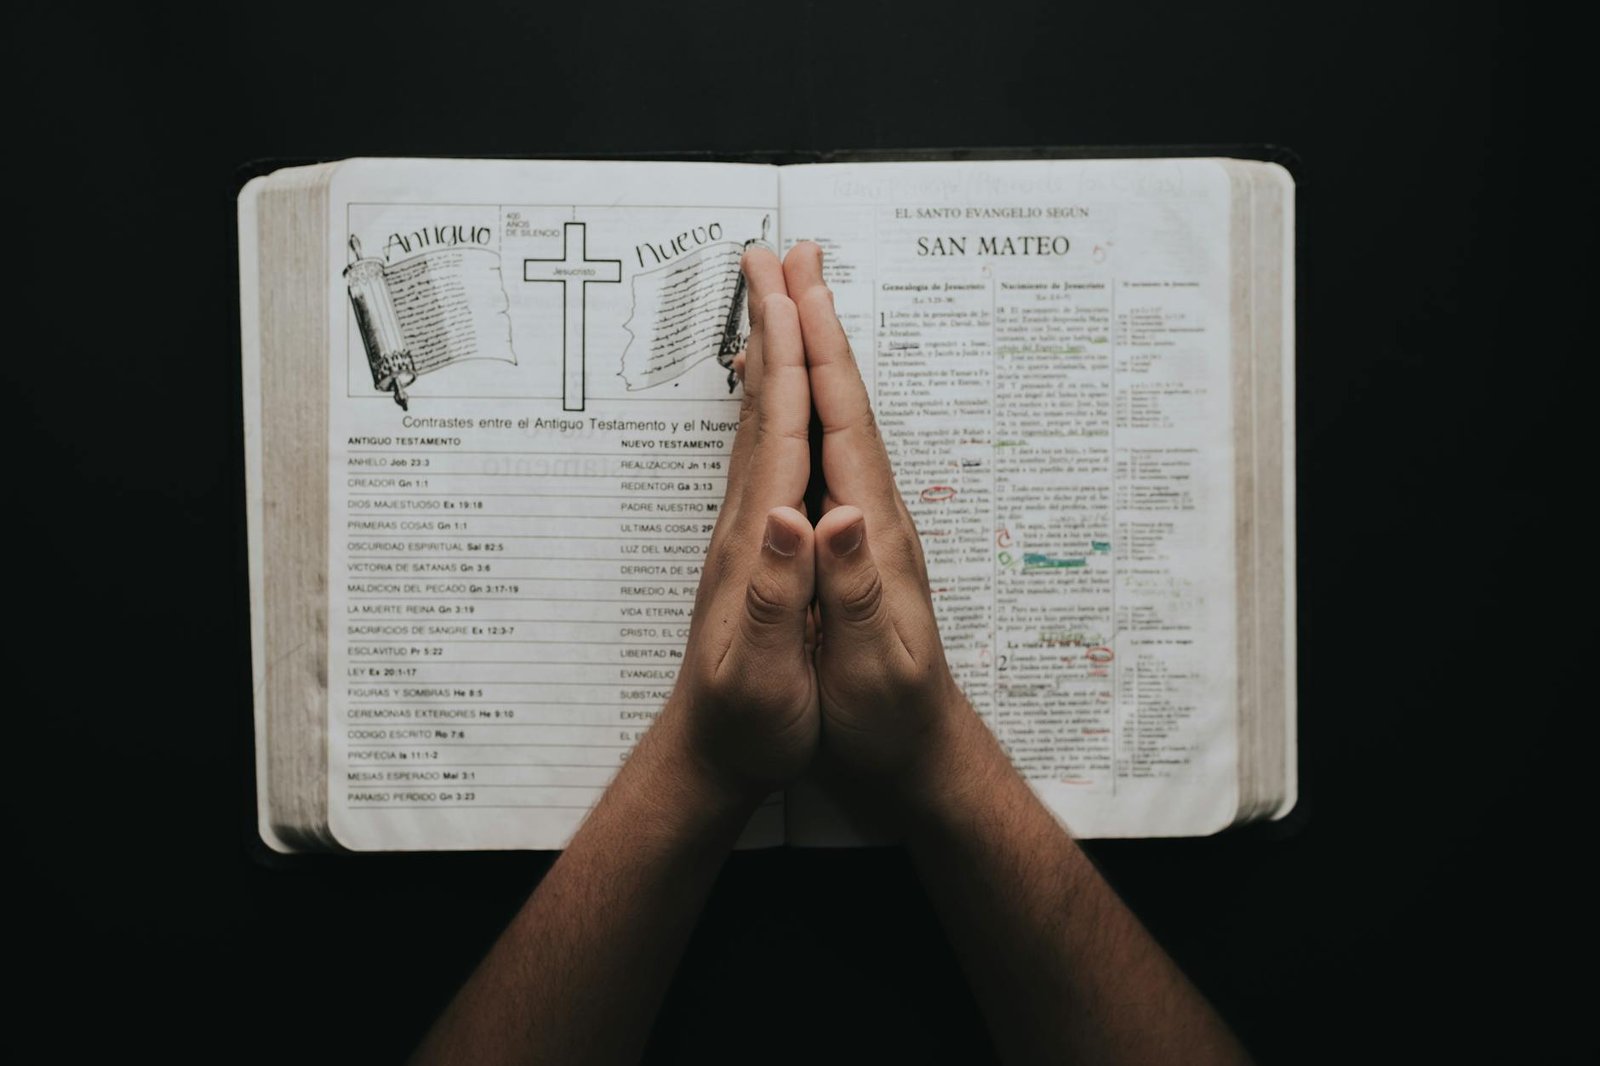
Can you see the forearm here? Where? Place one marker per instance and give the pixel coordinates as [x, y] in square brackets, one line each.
[1062, 969]
[578, 975]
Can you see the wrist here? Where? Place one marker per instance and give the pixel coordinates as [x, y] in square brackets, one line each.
[680, 763]
[960, 768]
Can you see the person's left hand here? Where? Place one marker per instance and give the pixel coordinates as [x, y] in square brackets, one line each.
[746, 696]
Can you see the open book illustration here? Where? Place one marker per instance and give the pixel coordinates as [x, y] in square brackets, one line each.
[489, 407]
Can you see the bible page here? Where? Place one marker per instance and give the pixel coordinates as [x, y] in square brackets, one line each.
[1047, 348]
[531, 404]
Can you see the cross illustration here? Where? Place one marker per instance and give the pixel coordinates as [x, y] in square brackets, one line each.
[573, 267]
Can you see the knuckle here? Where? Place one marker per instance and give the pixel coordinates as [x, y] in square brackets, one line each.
[861, 597]
[907, 674]
[767, 431]
[723, 555]
[818, 294]
[901, 547]
[765, 599]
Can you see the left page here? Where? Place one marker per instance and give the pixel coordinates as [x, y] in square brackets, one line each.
[531, 404]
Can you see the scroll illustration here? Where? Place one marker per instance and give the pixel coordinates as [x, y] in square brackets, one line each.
[426, 312]
[685, 312]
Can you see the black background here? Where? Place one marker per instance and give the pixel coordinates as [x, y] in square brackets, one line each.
[1428, 905]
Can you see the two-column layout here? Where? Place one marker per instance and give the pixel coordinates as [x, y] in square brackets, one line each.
[513, 621]
[1048, 436]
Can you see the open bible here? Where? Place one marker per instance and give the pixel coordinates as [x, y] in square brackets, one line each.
[489, 405]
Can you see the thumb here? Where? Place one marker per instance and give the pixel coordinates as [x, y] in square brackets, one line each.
[849, 586]
[778, 596]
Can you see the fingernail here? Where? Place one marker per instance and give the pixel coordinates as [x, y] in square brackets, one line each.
[847, 539]
[780, 538]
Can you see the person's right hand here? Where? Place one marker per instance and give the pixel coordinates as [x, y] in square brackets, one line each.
[888, 700]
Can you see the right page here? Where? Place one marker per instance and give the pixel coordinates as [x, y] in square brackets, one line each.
[1048, 346]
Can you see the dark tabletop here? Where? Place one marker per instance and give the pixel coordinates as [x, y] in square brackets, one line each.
[1421, 907]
